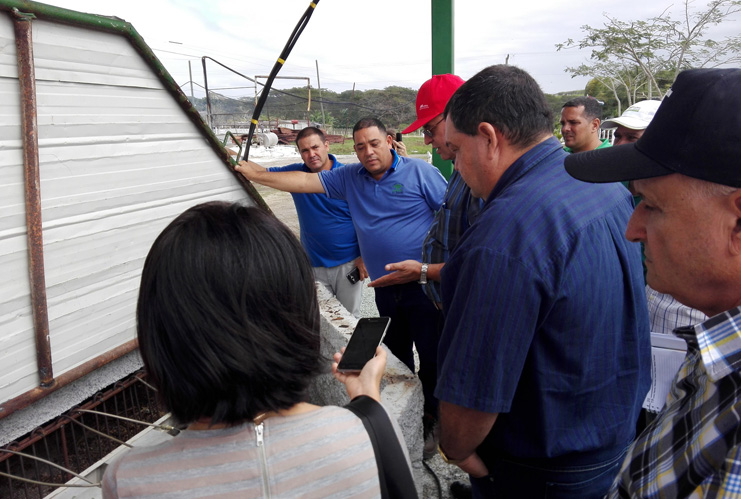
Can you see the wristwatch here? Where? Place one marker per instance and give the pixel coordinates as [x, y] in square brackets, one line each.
[423, 274]
[446, 458]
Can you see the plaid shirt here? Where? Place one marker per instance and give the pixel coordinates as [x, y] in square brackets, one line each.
[693, 449]
[454, 217]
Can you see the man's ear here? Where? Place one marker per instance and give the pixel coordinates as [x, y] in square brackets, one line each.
[490, 135]
[596, 123]
[735, 242]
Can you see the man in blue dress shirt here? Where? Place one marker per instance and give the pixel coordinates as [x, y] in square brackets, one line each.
[544, 360]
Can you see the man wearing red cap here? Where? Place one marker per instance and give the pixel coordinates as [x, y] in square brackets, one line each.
[457, 213]
[459, 207]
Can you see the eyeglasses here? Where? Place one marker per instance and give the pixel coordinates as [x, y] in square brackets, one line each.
[427, 132]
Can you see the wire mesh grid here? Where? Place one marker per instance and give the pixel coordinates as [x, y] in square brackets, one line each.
[76, 440]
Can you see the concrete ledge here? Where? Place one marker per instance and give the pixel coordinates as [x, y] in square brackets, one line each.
[55, 404]
[401, 391]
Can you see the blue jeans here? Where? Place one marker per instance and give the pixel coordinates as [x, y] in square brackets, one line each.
[508, 479]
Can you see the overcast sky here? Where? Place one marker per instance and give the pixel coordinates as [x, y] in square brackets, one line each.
[370, 44]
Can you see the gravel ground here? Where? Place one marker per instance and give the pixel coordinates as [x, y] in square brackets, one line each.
[438, 474]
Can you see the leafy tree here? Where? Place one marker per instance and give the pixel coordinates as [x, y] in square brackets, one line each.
[642, 58]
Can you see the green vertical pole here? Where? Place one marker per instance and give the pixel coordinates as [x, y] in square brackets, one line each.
[442, 57]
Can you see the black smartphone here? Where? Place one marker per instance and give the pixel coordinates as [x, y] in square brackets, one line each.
[353, 276]
[398, 136]
[362, 346]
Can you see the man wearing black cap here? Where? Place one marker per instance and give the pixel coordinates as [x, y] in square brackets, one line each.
[687, 169]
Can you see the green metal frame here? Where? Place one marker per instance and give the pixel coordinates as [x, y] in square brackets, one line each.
[443, 55]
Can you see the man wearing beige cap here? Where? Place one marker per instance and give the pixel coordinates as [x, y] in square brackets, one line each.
[664, 311]
[686, 168]
[631, 124]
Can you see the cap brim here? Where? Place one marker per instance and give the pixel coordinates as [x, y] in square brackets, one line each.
[626, 121]
[613, 164]
[417, 124]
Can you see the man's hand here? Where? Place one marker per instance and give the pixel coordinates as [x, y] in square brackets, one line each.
[249, 169]
[366, 382]
[401, 272]
[474, 466]
[360, 264]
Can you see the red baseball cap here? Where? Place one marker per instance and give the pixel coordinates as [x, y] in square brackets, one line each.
[432, 98]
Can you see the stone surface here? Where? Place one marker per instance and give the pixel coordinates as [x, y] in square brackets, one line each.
[434, 475]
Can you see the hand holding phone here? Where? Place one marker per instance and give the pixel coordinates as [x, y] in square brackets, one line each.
[366, 382]
[362, 346]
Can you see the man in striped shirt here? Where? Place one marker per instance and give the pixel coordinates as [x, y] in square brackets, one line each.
[686, 168]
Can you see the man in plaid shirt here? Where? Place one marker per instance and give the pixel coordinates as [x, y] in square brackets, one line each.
[687, 168]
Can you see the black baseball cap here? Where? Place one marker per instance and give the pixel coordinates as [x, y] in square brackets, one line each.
[696, 132]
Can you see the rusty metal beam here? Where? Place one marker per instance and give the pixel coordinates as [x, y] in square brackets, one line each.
[31, 396]
[29, 131]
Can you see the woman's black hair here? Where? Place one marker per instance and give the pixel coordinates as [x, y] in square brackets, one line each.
[227, 318]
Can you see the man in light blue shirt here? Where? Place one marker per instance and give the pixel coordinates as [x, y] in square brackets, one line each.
[392, 202]
[327, 231]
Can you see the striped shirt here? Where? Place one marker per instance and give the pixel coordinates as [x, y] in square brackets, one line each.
[693, 449]
[323, 453]
[667, 314]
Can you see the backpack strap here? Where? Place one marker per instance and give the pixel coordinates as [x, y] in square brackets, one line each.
[394, 474]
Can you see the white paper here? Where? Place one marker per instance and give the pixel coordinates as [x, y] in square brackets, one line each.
[667, 355]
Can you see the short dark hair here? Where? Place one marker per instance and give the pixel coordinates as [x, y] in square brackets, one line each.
[227, 317]
[368, 123]
[507, 98]
[308, 131]
[592, 107]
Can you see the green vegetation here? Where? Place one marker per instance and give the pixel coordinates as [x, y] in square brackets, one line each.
[415, 145]
[637, 60]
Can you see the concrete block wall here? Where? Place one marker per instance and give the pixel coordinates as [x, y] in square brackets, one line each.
[401, 391]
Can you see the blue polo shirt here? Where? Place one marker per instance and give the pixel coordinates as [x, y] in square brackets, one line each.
[327, 231]
[546, 317]
[391, 215]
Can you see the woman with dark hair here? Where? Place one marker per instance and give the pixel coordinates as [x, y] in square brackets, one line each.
[228, 328]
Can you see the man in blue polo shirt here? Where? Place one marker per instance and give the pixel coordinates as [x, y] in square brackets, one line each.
[327, 232]
[392, 201]
[545, 355]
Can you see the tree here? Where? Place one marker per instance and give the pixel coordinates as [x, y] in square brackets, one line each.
[644, 57]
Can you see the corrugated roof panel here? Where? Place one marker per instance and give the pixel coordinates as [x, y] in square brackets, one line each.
[70, 54]
[119, 159]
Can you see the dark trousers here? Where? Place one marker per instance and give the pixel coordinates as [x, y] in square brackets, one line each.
[509, 479]
[414, 319]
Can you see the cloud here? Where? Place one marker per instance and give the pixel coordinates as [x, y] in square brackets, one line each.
[366, 44]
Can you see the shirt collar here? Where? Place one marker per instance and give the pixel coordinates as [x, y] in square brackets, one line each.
[525, 163]
[719, 342]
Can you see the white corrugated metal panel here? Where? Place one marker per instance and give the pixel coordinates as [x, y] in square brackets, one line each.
[119, 159]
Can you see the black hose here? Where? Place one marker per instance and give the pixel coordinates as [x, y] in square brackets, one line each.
[274, 72]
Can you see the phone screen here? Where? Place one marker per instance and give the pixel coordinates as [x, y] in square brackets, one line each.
[367, 336]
